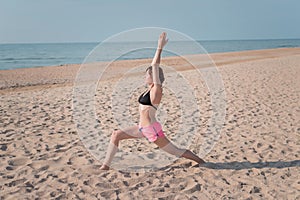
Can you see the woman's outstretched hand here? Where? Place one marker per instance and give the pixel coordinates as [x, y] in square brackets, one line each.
[162, 41]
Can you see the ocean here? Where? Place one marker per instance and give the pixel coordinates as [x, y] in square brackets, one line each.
[13, 56]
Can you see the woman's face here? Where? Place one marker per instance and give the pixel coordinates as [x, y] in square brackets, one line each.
[148, 77]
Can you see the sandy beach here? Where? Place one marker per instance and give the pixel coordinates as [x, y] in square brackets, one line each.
[256, 157]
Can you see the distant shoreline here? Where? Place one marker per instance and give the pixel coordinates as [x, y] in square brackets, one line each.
[15, 56]
[66, 74]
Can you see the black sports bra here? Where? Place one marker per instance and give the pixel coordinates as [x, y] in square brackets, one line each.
[145, 99]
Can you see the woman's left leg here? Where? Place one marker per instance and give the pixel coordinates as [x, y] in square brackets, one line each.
[116, 137]
[166, 145]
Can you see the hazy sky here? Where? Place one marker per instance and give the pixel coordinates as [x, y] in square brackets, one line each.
[31, 21]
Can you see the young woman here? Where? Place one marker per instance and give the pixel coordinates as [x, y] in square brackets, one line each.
[148, 126]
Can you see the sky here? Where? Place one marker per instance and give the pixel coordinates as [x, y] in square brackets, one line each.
[48, 21]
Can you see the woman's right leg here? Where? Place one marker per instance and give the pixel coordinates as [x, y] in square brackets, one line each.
[166, 145]
[116, 137]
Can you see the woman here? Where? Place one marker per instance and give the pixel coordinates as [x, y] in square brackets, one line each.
[148, 126]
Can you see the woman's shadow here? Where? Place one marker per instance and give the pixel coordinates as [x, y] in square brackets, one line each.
[248, 165]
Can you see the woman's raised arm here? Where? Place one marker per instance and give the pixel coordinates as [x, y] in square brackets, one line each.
[162, 41]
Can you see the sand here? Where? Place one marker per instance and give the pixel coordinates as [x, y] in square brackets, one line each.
[256, 156]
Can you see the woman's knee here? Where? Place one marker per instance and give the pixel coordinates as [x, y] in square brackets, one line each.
[115, 135]
[180, 152]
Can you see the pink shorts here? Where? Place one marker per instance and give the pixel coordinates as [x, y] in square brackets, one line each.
[152, 132]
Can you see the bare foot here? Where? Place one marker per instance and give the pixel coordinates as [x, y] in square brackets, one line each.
[104, 167]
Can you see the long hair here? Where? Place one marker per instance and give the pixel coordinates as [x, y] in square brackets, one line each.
[160, 73]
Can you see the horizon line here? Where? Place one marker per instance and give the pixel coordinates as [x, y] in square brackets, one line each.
[74, 42]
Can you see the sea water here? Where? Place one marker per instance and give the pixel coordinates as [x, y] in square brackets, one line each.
[14, 56]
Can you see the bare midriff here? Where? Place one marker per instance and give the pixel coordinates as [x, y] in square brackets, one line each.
[147, 115]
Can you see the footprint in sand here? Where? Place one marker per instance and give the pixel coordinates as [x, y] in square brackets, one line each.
[18, 161]
[40, 166]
